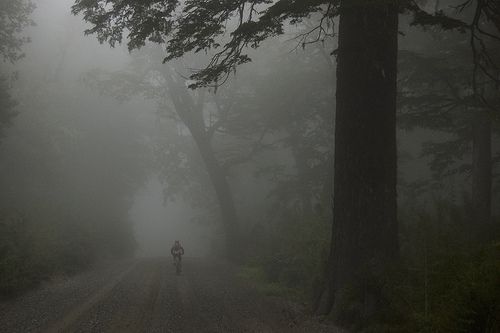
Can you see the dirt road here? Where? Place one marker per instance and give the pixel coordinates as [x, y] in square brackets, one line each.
[146, 296]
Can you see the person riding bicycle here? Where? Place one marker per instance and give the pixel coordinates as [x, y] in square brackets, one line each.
[177, 251]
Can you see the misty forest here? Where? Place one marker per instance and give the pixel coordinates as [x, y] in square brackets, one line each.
[250, 166]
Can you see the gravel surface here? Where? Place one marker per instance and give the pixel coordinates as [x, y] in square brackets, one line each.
[147, 296]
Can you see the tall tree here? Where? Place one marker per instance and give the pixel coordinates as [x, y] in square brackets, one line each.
[458, 96]
[448, 105]
[176, 101]
[192, 115]
[364, 215]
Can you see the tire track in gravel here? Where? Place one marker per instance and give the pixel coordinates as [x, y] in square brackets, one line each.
[136, 317]
[167, 315]
[189, 301]
[125, 308]
[147, 296]
[76, 313]
[37, 310]
[211, 300]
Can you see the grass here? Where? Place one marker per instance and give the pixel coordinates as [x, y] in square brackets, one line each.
[256, 277]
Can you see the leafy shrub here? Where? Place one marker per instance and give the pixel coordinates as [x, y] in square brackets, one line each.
[15, 272]
[290, 257]
[33, 252]
[448, 280]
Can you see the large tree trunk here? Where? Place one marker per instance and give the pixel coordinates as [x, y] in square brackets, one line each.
[482, 169]
[365, 230]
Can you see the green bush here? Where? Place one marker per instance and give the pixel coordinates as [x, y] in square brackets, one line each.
[290, 257]
[15, 271]
[32, 252]
[447, 280]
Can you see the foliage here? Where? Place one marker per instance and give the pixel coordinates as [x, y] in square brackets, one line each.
[446, 281]
[289, 257]
[257, 276]
[481, 19]
[436, 93]
[242, 121]
[14, 17]
[226, 29]
[448, 278]
[31, 252]
[14, 270]
[194, 26]
[7, 104]
[178, 159]
[72, 167]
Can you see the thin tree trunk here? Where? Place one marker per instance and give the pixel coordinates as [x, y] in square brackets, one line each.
[482, 169]
[365, 227]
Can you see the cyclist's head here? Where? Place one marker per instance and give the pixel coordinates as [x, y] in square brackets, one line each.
[177, 242]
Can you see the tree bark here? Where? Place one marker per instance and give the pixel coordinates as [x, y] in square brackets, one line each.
[364, 228]
[482, 169]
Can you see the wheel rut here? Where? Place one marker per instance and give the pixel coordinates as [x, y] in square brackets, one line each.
[147, 296]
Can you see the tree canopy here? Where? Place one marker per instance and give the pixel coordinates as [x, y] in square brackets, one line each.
[195, 26]
[224, 29]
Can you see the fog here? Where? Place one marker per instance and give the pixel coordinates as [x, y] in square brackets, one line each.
[158, 225]
[325, 167]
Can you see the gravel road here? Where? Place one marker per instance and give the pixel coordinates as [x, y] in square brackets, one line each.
[146, 296]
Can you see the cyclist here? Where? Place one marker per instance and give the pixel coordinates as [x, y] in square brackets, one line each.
[177, 251]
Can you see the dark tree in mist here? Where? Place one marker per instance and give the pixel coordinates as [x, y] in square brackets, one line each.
[364, 215]
[436, 93]
[187, 107]
[458, 95]
[190, 112]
